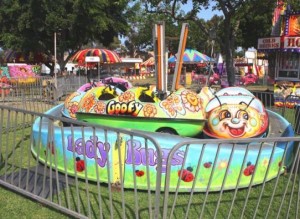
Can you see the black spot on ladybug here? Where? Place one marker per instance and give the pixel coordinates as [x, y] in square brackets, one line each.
[190, 169]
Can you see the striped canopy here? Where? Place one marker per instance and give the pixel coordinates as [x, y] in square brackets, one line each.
[149, 62]
[191, 56]
[106, 56]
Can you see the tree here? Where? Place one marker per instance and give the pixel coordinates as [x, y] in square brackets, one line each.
[30, 25]
[140, 36]
[255, 20]
[227, 29]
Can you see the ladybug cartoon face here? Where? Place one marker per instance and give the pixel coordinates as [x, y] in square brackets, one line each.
[236, 117]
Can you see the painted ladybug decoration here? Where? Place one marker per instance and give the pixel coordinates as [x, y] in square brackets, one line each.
[80, 166]
[139, 173]
[186, 175]
[249, 169]
[207, 164]
[50, 147]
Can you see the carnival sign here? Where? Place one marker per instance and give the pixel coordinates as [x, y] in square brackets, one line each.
[269, 43]
[292, 42]
[92, 59]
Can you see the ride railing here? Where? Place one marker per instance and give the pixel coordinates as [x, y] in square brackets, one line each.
[291, 111]
[70, 83]
[93, 187]
[38, 94]
[35, 93]
[257, 178]
[92, 171]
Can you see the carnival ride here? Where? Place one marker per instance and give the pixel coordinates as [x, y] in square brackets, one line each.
[104, 89]
[230, 113]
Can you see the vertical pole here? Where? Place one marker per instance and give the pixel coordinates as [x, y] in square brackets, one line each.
[54, 69]
[99, 72]
[160, 58]
[181, 48]
[158, 29]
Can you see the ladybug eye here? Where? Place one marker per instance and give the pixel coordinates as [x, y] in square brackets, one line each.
[243, 114]
[224, 114]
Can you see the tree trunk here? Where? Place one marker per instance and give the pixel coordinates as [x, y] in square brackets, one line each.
[229, 48]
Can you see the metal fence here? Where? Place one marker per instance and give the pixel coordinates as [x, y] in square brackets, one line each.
[45, 157]
[23, 166]
[55, 176]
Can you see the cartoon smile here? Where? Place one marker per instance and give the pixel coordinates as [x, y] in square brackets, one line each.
[235, 131]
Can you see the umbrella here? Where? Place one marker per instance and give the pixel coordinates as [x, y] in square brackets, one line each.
[149, 62]
[27, 57]
[106, 56]
[191, 56]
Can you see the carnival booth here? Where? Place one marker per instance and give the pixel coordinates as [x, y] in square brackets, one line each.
[148, 66]
[283, 49]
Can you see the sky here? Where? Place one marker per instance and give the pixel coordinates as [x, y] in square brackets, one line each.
[205, 14]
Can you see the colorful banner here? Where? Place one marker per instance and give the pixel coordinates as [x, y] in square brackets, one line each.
[294, 25]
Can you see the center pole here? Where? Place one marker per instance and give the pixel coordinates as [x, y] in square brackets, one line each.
[179, 61]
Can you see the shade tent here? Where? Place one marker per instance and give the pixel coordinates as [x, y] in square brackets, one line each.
[149, 62]
[106, 56]
[92, 57]
[192, 56]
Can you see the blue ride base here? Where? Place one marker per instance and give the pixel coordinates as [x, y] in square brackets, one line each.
[219, 166]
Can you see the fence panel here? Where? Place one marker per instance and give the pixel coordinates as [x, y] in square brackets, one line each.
[291, 111]
[233, 179]
[84, 171]
[97, 172]
[36, 95]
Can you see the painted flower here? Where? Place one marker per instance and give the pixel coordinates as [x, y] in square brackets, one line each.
[149, 110]
[70, 97]
[265, 162]
[191, 101]
[89, 102]
[100, 107]
[222, 164]
[168, 108]
[172, 105]
[126, 96]
[73, 108]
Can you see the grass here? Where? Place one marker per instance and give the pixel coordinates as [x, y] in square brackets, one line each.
[13, 205]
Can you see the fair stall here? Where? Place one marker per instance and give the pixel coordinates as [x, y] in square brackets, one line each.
[283, 49]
